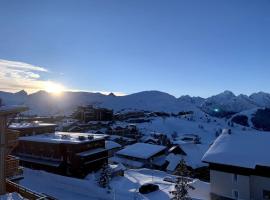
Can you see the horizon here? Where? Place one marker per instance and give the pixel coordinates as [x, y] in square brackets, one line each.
[122, 94]
[182, 47]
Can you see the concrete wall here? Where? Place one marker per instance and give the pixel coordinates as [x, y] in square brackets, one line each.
[258, 184]
[223, 184]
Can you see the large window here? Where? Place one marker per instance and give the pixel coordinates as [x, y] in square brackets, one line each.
[235, 178]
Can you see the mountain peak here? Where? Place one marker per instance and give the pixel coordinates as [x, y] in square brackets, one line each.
[227, 93]
[22, 92]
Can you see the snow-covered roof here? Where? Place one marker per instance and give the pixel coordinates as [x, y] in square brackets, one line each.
[111, 144]
[246, 149]
[63, 137]
[30, 125]
[194, 152]
[173, 160]
[11, 196]
[113, 137]
[141, 150]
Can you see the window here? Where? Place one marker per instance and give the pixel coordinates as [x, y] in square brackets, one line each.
[235, 194]
[235, 178]
[266, 194]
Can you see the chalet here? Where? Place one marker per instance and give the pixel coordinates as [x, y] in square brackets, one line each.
[90, 113]
[122, 140]
[33, 128]
[74, 154]
[149, 139]
[190, 152]
[239, 166]
[140, 155]
[129, 131]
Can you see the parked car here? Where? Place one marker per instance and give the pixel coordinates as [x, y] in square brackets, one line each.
[148, 188]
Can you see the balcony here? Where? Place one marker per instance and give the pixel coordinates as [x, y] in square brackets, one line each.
[12, 168]
[11, 140]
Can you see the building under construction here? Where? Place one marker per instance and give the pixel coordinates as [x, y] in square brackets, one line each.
[9, 165]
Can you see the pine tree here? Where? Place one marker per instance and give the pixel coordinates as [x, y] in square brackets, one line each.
[182, 183]
[105, 176]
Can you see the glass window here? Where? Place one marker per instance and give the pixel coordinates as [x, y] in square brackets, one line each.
[235, 178]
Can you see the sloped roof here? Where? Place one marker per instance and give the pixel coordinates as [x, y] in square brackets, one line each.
[141, 150]
[246, 149]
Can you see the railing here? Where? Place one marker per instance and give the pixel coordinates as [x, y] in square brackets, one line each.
[25, 192]
[12, 167]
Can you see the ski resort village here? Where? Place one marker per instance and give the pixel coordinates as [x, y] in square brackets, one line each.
[134, 100]
[148, 146]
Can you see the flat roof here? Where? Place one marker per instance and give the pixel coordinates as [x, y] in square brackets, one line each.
[30, 125]
[141, 150]
[63, 137]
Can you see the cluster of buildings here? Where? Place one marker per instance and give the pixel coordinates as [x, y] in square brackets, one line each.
[238, 162]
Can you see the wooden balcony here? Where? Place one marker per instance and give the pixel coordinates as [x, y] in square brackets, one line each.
[11, 140]
[12, 168]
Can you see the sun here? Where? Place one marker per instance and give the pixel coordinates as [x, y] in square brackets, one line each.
[54, 88]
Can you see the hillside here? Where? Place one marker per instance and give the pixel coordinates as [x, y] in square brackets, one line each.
[220, 105]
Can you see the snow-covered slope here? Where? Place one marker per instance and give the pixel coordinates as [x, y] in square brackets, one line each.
[44, 103]
[228, 102]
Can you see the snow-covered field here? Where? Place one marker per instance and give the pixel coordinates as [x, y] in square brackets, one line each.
[123, 188]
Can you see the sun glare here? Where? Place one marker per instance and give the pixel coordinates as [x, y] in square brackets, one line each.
[54, 88]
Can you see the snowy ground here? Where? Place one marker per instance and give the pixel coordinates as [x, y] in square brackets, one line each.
[123, 188]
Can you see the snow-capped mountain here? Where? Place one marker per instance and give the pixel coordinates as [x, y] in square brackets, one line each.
[228, 102]
[44, 103]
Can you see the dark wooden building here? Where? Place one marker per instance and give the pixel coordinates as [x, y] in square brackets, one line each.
[90, 113]
[73, 154]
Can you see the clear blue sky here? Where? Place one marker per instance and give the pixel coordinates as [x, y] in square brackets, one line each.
[182, 47]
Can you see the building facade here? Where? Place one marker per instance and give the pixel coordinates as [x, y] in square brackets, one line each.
[73, 154]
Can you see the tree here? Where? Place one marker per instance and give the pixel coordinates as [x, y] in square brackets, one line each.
[105, 176]
[182, 183]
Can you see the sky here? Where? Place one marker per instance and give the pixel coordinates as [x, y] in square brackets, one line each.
[193, 47]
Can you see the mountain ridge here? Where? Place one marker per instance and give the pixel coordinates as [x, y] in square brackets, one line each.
[45, 103]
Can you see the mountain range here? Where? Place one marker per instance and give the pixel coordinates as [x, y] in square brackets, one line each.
[44, 103]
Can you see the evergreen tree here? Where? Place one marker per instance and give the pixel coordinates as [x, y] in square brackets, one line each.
[105, 176]
[182, 183]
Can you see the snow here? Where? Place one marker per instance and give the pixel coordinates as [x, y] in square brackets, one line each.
[62, 137]
[11, 196]
[141, 150]
[194, 153]
[127, 162]
[246, 149]
[29, 125]
[123, 188]
[147, 100]
[91, 152]
[111, 145]
[229, 102]
[173, 160]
